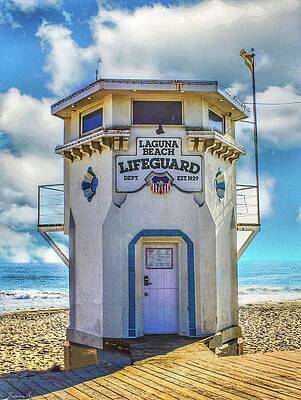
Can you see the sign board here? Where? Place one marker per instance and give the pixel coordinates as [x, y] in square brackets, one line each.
[158, 258]
[158, 156]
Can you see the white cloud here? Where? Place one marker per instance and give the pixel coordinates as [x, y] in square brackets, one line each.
[237, 87]
[200, 41]
[31, 5]
[47, 255]
[278, 124]
[29, 161]
[267, 185]
[24, 247]
[24, 173]
[33, 134]
[9, 9]
[28, 122]
[66, 61]
[246, 176]
[15, 246]
[68, 17]
[19, 178]
[195, 40]
[299, 215]
[17, 216]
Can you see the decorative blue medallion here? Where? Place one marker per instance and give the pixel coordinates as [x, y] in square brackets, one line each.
[89, 184]
[219, 183]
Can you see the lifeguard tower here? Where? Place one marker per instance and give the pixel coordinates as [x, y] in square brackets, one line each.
[155, 218]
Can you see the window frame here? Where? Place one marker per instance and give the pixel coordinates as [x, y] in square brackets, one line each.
[87, 112]
[223, 132]
[146, 99]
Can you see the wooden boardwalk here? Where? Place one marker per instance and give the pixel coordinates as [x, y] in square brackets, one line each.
[189, 373]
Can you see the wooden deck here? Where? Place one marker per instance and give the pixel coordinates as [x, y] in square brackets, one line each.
[189, 373]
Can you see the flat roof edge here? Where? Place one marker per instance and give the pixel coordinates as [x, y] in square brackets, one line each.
[148, 84]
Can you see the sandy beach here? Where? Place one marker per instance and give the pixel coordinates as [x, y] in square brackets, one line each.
[33, 340]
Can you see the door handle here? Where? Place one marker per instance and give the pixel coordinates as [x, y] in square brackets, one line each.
[146, 281]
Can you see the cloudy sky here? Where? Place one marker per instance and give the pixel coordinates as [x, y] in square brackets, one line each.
[50, 47]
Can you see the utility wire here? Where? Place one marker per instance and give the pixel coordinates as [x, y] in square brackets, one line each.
[277, 104]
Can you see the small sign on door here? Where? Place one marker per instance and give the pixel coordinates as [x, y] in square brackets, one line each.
[159, 258]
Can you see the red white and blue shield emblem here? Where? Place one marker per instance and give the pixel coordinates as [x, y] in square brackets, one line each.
[160, 184]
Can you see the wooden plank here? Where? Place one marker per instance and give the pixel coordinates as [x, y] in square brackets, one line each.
[259, 379]
[217, 380]
[191, 383]
[266, 361]
[211, 384]
[290, 357]
[56, 386]
[49, 388]
[272, 367]
[227, 383]
[20, 384]
[270, 373]
[3, 392]
[147, 388]
[175, 389]
[77, 393]
[39, 389]
[232, 379]
[96, 372]
[127, 391]
[246, 380]
[142, 392]
[281, 364]
[90, 391]
[76, 379]
[101, 389]
[38, 398]
[62, 378]
[271, 378]
[83, 373]
[9, 391]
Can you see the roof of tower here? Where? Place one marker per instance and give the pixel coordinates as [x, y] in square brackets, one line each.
[211, 90]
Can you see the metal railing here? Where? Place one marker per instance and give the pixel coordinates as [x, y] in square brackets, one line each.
[51, 205]
[247, 204]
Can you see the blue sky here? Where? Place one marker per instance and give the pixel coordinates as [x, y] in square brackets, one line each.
[49, 49]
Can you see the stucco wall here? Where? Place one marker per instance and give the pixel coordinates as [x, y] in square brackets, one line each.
[104, 230]
[88, 220]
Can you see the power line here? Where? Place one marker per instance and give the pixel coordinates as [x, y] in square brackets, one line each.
[277, 104]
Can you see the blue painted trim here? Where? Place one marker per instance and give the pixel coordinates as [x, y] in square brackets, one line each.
[132, 271]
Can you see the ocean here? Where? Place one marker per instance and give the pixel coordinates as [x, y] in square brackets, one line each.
[33, 286]
[262, 282]
[40, 286]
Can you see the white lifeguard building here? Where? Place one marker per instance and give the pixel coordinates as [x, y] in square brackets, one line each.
[155, 218]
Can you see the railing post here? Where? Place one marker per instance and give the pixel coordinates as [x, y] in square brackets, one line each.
[39, 194]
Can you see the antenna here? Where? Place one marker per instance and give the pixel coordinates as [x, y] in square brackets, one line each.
[96, 72]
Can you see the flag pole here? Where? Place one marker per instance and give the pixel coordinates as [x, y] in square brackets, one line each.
[255, 134]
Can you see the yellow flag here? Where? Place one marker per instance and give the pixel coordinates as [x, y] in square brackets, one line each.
[248, 58]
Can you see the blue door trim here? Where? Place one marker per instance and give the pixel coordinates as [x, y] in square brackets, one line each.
[132, 272]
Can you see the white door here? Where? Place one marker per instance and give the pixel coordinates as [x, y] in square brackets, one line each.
[160, 289]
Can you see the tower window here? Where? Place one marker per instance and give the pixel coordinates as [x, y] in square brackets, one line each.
[92, 121]
[216, 122]
[157, 112]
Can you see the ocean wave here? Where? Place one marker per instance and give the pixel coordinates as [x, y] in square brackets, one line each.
[257, 294]
[267, 290]
[31, 295]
